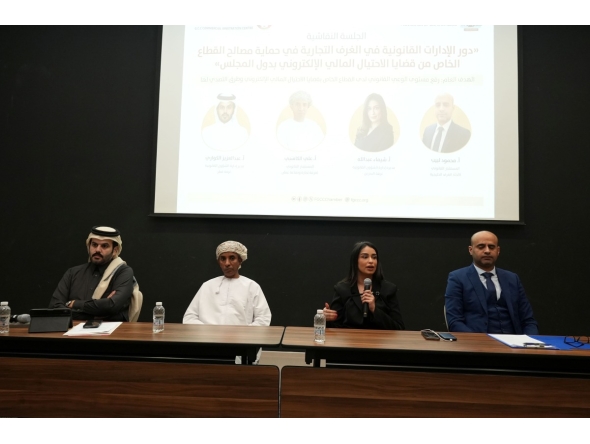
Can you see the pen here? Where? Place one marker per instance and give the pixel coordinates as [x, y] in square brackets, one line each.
[536, 345]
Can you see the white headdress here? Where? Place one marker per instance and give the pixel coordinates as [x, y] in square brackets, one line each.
[102, 233]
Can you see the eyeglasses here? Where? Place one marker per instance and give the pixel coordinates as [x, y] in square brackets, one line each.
[576, 341]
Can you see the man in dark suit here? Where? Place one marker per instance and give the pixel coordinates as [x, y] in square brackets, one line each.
[445, 136]
[484, 299]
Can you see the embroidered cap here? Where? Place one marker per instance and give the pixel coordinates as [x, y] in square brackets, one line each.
[234, 247]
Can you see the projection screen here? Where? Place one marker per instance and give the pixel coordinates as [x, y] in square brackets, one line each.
[396, 122]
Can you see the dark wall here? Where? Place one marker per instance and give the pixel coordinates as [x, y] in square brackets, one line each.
[77, 131]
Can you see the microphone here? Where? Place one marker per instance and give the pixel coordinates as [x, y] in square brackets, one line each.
[21, 319]
[365, 305]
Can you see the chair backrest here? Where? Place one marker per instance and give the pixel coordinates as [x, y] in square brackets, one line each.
[136, 302]
[445, 313]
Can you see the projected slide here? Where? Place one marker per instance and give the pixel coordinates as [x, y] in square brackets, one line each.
[410, 122]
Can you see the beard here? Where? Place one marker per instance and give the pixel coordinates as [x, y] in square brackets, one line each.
[100, 259]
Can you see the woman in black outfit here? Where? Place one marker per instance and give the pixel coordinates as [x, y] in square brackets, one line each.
[375, 133]
[346, 310]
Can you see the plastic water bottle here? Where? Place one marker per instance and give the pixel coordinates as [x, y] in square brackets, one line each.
[159, 317]
[4, 317]
[319, 325]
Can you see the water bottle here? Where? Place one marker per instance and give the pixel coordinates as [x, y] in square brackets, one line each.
[319, 326]
[159, 317]
[4, 317]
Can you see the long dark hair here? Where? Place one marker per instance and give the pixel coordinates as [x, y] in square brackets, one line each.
[354, 264]
[364, 128]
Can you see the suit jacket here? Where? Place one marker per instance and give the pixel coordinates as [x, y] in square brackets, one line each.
[457, 137]
[347, 302]
[467, 308]
[379, 139]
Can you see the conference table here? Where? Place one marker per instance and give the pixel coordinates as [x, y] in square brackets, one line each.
[184, 371]
[189, 371]
[136, 340]
[378, 373]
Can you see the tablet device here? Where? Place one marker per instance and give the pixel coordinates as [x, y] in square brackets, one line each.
[45, 320]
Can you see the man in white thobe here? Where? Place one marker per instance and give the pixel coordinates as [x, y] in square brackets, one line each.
[230, 299]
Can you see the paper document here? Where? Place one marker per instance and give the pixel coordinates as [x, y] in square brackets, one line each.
[521, 341]
[106, 328]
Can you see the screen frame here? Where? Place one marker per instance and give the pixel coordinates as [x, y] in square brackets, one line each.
[461, 221]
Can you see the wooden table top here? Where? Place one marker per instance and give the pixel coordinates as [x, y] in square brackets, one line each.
[135, 340]
[409, 348]
[178, 333]
[344, 338]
